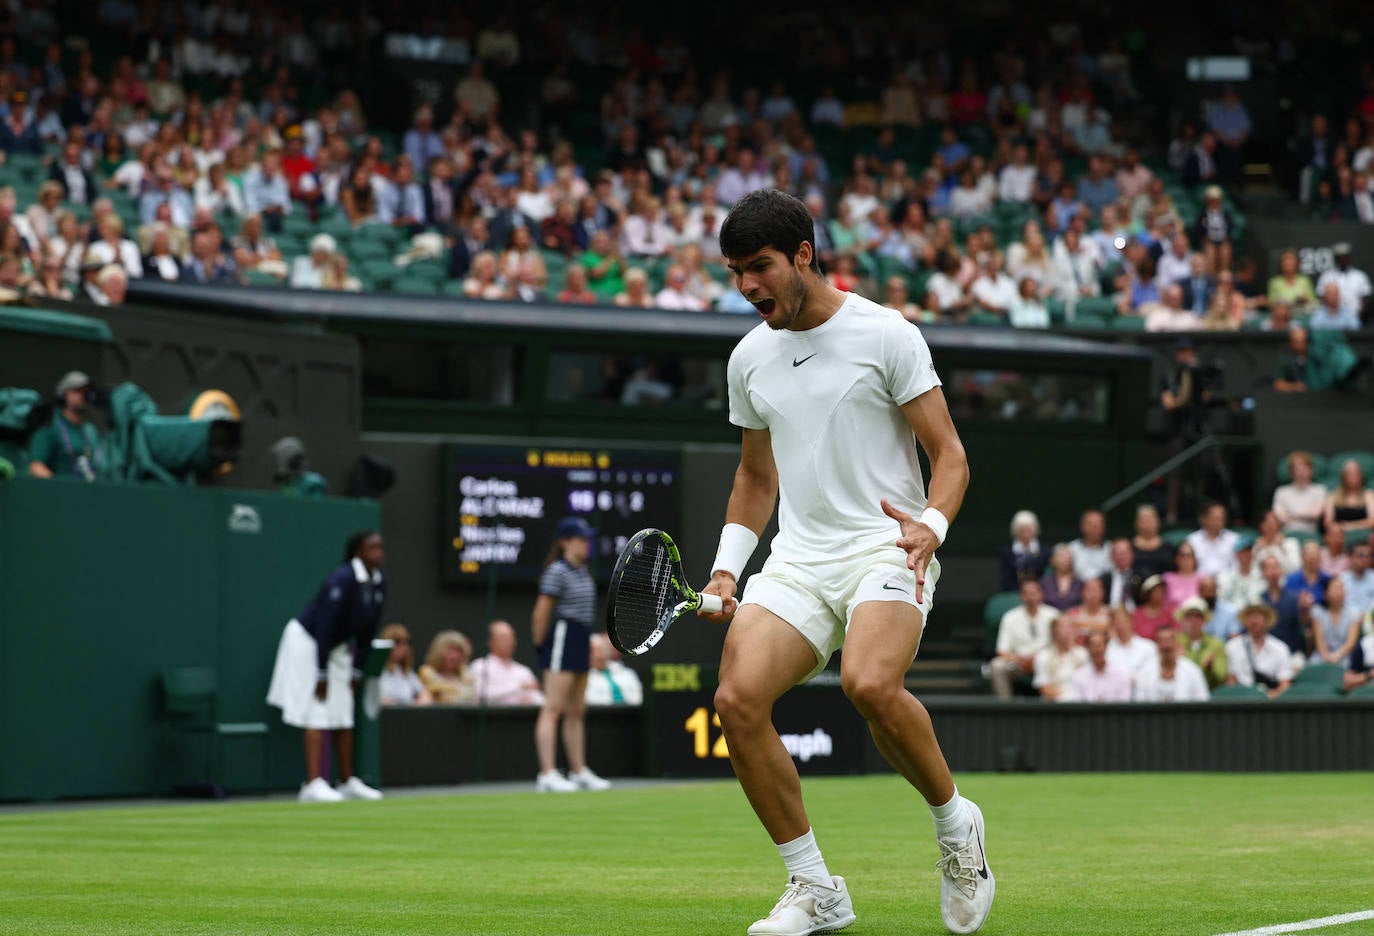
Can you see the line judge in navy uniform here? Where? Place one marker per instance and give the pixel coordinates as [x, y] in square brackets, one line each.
[319, 662]
[562, 621]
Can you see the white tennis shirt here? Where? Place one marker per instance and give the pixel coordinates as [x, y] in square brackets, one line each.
[830, 398]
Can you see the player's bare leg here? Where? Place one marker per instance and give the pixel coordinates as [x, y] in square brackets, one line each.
[764, 656]
[879, 647]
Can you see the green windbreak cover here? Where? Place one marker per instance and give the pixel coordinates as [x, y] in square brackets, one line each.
[55, 324]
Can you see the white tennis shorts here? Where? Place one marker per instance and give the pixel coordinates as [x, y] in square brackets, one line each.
[819, 598]
[293, 682]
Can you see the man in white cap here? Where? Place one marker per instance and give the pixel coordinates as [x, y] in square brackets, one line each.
[68, 446]
[1353, 284]
[1208, 652]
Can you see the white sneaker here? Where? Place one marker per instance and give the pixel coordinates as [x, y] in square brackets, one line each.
[554, 782]
[967, 888]
[806, 907]
[586, 779]
[319, 791]
[354, 788]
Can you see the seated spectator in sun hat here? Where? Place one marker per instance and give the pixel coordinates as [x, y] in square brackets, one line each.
[1256, 658]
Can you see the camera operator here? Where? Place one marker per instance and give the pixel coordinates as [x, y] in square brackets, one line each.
[1188, 393]
[69, 446]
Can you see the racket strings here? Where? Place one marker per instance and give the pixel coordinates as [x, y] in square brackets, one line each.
[646, 594]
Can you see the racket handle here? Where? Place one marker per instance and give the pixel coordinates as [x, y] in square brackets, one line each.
[711, 604]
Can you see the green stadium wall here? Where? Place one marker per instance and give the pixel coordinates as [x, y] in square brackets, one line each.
[102, 587]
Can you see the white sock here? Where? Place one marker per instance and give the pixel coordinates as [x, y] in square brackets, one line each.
[951, 818]
[803, 859]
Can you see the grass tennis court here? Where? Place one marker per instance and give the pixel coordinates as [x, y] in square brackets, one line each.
[1073, 854]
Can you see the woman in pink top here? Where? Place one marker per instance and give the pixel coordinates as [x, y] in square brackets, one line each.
[1182, 584]
[1154, 610]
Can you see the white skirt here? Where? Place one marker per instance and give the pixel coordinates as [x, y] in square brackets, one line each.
[293, 682]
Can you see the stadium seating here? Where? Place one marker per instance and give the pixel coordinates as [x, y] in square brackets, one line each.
[1238, 693]
[1310, 690]
[1320, 674]
[189, 695]
[996, 606]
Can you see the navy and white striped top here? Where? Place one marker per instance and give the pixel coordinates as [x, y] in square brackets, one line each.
[573, 590]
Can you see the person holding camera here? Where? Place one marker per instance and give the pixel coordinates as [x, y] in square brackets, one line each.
[319, 662]
[69, 446]
[1254, 658]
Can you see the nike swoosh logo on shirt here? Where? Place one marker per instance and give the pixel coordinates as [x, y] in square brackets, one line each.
[887, 587]
[796, 363]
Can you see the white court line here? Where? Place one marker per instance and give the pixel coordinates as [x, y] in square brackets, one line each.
[1319, 923]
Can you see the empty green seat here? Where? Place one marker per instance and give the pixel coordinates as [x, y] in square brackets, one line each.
[1175, 537]
[1096, 308]
[1238, 693]
[190, 703]
[378, 273]
[415, 285]
[431, 271]
[993, 609]
[1310, 690]
[1324, 674]
[360, 249]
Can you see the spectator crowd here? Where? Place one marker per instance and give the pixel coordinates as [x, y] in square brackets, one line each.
[1150, 618]
[1013, 188]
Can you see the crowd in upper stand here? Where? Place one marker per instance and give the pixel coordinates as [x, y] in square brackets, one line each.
[1002, 183]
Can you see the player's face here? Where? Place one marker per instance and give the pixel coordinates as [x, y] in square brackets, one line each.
[773, 284]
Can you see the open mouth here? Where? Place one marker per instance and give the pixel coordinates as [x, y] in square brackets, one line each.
[765, 307]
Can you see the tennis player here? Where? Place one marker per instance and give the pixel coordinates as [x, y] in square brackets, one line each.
[832, 393]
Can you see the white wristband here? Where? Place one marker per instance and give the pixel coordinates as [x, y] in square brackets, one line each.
[737, 544]
[938, 523]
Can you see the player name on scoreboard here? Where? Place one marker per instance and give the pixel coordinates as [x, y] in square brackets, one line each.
[502, 504]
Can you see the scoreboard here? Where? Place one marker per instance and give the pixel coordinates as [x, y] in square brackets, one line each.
[502, 503]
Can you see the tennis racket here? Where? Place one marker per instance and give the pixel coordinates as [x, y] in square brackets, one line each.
[649, 593]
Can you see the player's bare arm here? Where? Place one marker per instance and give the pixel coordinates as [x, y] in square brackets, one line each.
[751, 504]
[928, 416]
